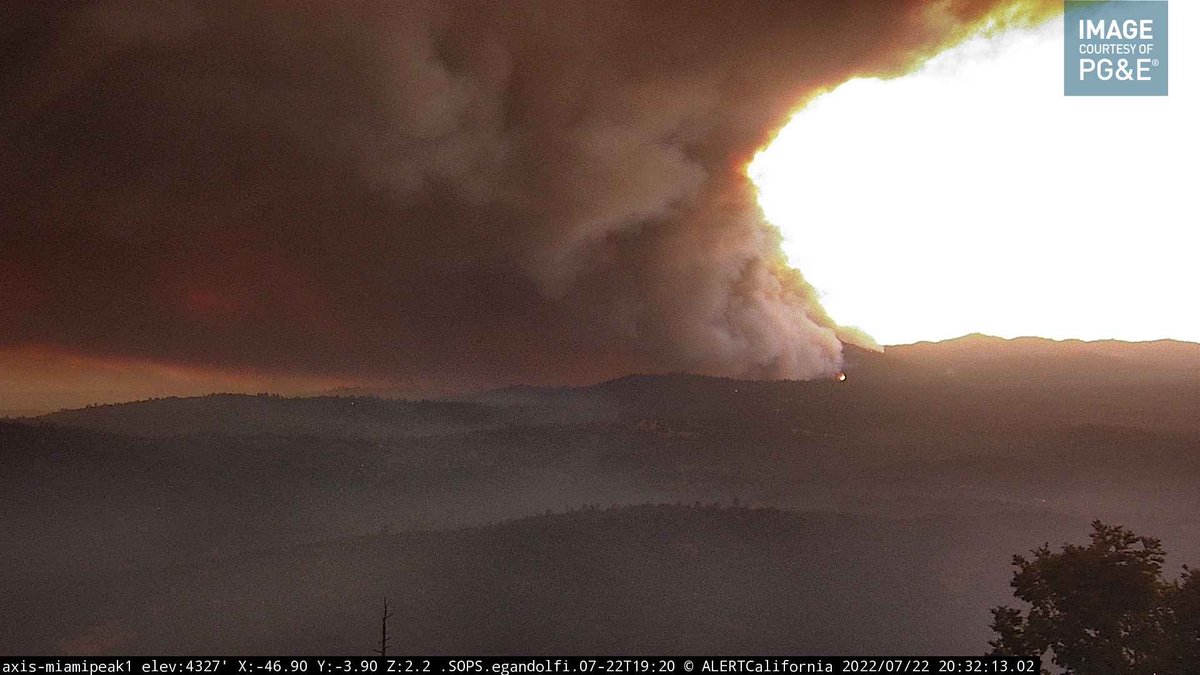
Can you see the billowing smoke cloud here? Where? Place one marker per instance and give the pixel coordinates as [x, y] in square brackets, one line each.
[456, 193]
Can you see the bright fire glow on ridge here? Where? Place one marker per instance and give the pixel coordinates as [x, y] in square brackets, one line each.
[972, 196]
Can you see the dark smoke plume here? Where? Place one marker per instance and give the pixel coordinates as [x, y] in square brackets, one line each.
[459, 194]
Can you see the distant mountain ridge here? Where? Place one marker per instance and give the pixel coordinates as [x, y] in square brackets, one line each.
[1165, 370]
[1028, 357]
[269, 414]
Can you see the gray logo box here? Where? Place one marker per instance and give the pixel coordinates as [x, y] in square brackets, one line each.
[1115, 48]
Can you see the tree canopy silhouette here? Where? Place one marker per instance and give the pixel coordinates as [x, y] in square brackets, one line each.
[1103, 608]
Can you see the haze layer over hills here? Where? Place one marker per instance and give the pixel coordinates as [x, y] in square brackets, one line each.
[646, 514]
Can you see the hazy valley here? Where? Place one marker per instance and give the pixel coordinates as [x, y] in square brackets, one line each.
[646, 514]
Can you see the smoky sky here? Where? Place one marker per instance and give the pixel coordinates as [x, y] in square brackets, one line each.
[473, 193]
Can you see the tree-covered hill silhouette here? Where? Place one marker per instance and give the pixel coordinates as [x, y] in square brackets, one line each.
[601, 579]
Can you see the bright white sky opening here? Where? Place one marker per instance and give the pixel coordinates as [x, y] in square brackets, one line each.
[972, 196]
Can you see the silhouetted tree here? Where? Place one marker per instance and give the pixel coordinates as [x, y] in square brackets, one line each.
[1103, 608]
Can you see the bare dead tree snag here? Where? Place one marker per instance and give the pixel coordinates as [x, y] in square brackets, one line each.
[383, 640]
